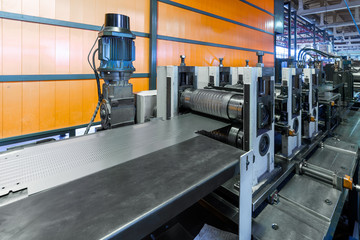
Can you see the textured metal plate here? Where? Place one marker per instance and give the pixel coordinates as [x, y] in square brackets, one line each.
[127, 201]
[48, 165]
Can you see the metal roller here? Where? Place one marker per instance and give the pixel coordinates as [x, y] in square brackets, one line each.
[221, 104]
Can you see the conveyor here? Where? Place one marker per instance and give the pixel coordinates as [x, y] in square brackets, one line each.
[49, 165]
[134, 190]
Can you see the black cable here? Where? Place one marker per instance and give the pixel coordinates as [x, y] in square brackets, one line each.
[93, 66]
[97, 76]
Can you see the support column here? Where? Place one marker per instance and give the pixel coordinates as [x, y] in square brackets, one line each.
[153, 43]
[301, 5]
[314, 36]
[295, 34]
[321, 19]
[289, 29]
[357, 18]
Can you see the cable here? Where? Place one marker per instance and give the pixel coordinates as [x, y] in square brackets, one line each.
[347, 5]
[92, 118]
[93, 66]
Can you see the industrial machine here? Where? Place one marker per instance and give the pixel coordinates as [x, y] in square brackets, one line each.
[212, 143]
[310, 104]
[241, 104]
[288, 111]
[329, 110]
[116, 52]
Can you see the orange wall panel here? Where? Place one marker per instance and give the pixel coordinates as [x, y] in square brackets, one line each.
[1, 47]
[30, 107]
[12, 109]
[47, 8]
[76, 51]
[62, 10]
[90, 100]
[11, 6]
[76, 102]
[47, 49]
[62, 50]
[140, 84]
[235, 10]
[62, 104]
[30, 7]
[208, 29]
[1, 109]
[11, 47]
[141, 62]
[30, 45]
[47, 102]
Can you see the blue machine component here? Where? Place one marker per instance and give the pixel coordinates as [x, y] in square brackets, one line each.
[116, 53]
[116, 48]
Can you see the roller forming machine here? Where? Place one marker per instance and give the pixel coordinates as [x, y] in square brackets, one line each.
[288, 111]
[248, 106]
[310, 103]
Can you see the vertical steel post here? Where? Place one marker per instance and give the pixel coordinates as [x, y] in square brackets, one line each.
[153, 43]
[314, 35]
[295, 34]
[289, 29]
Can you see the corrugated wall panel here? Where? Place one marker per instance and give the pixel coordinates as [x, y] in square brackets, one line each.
[30, 46]
[11, 45]
[235, 10]
[76, 103]
[30, 107]
[47, 49]
[208, 29]
[47, 111]
[12, 109]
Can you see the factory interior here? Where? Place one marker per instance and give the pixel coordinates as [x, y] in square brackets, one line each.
[179, 120]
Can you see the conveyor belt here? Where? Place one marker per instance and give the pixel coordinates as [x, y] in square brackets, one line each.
[48, 165]
[127, 201]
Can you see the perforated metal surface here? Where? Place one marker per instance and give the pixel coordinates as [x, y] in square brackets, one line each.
[48, 165]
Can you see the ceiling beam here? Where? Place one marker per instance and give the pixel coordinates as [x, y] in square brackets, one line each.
[347, 46]
[328, 8]
[338, 24]
[348, 34]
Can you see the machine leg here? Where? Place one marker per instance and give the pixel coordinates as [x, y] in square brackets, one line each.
[245, 195]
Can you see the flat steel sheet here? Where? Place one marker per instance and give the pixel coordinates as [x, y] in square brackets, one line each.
[290, 222]
[311, 195]
[48, 165]
[336, 156]
[349, 128]
[127, 201]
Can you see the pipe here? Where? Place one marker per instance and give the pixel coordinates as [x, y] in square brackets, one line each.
[347, 5]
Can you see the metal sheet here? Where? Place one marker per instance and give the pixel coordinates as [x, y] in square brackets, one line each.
[129, 200]
[349, 128]
[336, 156]
[48, 165]
[293, 223]
[309, 194]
